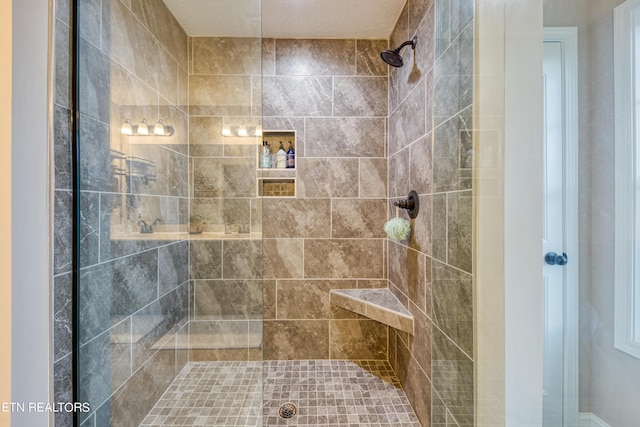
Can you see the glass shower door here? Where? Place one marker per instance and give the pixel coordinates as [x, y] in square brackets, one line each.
[169, 241]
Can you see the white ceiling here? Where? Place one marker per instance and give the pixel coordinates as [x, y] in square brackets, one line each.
[288, 18]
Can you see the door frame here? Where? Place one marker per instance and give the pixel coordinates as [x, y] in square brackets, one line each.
[568, 37]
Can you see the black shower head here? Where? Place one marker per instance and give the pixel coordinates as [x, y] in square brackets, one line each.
[393, 58]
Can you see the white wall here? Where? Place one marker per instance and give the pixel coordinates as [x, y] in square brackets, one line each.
[607, 376]
[30, 301]
[5, 208]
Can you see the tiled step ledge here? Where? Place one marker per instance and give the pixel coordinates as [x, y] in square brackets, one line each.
[377, 304]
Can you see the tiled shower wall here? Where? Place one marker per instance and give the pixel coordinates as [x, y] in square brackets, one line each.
[333, 93]
[133, 291]
[226, 266]
[430, 151]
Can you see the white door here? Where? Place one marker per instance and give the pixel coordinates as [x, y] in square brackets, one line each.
[560, 228]
[553, 239]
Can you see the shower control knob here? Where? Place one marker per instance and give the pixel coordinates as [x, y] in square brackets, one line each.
[553, 258]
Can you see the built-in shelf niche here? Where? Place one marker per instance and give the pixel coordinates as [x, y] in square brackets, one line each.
[277, 182]
[274, 137]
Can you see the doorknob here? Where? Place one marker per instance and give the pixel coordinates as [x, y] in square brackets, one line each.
[553, 258]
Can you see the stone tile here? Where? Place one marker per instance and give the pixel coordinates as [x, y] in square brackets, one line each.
[344, 137]
[416, 384]
[62, 229]
[100, 375]
[446, 156]
[270, 298]
[228, 299]
[453, 304]
[358, 218]
[446, 84]
[408, 271]
[420, 345]
[224, 177]
[205, 132]
[420, 164]
[174, 116]
[358, 339]
[400, 32]
[62, 148]
[417, 11]
[151, 326]
[466, 67]
[373, 177]
[307, 299]
[206, 259]
[297, 96]
[164, 26]
[289, 123]
[368, 61]
[182, 352]
[131, 98]
[95, 159]
[242, 259]
[407, 123]
[315, 57]
[89, 15]
[131, 403]
[361, 258]
[296, 339]
[171, 172]
[63, 13]
[460, 230]
[219, 340]
[360, 96]
[452, 378]
[283, 258]
[62, 70]
[296, 218]
[62, 345]
[268, 56]
[183, 88]
[94, 82]
[399, 175]
[89, 228]
[220, 95]
[226, 55]
[173, 266]
[237, 212]
[439, 227]
[421, 227]
[324, 177]
[62, 389]
[131, 45]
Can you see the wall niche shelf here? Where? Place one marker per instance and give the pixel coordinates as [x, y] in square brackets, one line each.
[274, 138]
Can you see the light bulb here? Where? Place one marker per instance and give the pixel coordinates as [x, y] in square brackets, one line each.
[143, 128]
[158, 128]
[226, 130]
[258, 131]
[126, 128]
[242, 130]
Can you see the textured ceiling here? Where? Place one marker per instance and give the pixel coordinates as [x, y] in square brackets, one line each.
[288, 18]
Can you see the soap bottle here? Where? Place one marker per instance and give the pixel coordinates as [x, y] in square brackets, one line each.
[281, 158]
[265, 156]
[291, 157]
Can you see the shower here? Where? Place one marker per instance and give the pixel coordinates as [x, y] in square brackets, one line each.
[393, 58]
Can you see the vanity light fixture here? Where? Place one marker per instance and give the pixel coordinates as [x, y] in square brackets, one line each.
[143, 129]
[258, 130]
[126, 128]
[158, 128]
[226, 130]
[242, 130]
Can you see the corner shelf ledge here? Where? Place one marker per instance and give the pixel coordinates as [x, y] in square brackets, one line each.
[377, 304]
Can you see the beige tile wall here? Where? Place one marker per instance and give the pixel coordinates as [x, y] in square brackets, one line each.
[430, 152]
[333, 93]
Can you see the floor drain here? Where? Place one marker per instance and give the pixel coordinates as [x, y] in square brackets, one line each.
[287, 410]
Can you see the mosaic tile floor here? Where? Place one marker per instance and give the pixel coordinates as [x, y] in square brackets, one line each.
[327, 393]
